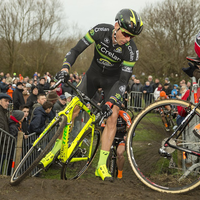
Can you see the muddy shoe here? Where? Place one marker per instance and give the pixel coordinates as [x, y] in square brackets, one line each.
[102, 172]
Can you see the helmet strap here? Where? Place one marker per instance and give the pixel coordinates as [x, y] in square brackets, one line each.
[115, 38]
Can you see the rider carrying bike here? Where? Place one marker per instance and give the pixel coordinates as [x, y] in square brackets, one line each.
[111, 68]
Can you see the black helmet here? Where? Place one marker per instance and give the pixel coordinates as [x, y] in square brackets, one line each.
[130, 21]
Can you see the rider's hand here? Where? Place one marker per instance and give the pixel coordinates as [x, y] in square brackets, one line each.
[62, 75]
[106, 109]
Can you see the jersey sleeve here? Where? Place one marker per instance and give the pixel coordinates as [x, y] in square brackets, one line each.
[72, 55]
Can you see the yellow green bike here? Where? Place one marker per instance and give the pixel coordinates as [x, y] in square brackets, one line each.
[79, 153]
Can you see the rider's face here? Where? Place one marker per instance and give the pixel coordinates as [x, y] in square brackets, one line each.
[122, 36]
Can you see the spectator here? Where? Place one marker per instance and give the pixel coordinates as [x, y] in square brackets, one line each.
[4, 102]
[15, 123]
[67, 88]
[18, 98]
[157, 91]
[174, 92]
[52, 97]
[1, 75]
[10, 91]
[150, 79]
[168, 82]
[4, 85]
[147, 90]
[137, 95]
[166, 89]
[189, 84]
[132, 93]
[41, 86]
[25, 122]
[68, 97]
[98, 97]
[41, 98]
[155, 84]
[8, 79]
[32, 99]
[60, 103]
[41, 114]
[25, 93]
[131, 81]
[4, 125]
[181, 111]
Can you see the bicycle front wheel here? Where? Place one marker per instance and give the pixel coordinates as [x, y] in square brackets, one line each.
[28, 164]
[160, 167]
[82, 155]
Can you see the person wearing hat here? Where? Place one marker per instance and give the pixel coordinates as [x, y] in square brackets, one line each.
[174, 92]
[4, 85]
[60, 104]
[15, 122]
[4, 102]
[32, 99]
[41, 85]
[18, 98]
[52, 97]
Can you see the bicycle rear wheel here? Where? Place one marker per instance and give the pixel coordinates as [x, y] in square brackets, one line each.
[28, 164]
[81, 157]
[111, 163]
[160, 167]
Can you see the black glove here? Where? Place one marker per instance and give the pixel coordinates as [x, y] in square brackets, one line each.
[63, 76]
[106, 109]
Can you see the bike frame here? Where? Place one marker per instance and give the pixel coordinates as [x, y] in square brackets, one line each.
[66, 151]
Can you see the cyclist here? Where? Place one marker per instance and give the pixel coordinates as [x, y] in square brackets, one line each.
[167, 107]
[111, 68]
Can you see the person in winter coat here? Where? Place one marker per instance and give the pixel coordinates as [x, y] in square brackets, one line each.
[15, 123]
[60, 103]
[147, 90]
[41, 114]
[174, 92]
[137, 95]
[18, 98]
[32, 99]
[3, 85]
[156, 93]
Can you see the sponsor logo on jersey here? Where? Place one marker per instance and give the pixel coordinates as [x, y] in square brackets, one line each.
[69, 53]
[127, 69]
[131, 53]
[106, 40]
[104, 62]
[137, 55]
[118, 50]
[122, 89]
[92, 32]
[104, 44]
[112, 55]
[85, 41]
[118, 96]
[97, 29]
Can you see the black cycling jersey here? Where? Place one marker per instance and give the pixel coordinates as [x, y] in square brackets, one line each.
[111, 67]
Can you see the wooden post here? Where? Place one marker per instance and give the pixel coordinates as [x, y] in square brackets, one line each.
[19, 148]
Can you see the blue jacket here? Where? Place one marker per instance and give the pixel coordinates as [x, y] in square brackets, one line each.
[38, 121]
[173, 95]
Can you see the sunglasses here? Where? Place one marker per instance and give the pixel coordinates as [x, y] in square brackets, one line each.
[125, 34]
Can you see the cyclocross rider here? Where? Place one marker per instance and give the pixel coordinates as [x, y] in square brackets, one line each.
[111, 68]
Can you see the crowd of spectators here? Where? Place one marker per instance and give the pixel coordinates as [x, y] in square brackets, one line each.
[34, 104]
[33, 97]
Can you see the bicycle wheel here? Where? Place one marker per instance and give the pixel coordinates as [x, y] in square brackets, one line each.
[160, 167]
[28, 164]
[130, 112]
[73, 169]
[111, 163]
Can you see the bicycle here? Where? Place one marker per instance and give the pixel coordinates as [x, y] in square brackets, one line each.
[163, 161]
[81, 151]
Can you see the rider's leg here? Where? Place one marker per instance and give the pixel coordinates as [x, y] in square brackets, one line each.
[120, 159]
[107, 140]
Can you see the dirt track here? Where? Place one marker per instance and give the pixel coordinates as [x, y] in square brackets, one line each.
[89, 188]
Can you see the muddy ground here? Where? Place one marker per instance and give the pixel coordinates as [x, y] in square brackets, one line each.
[86, 188]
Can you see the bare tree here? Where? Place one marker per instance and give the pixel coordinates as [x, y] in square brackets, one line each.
[168, 36]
